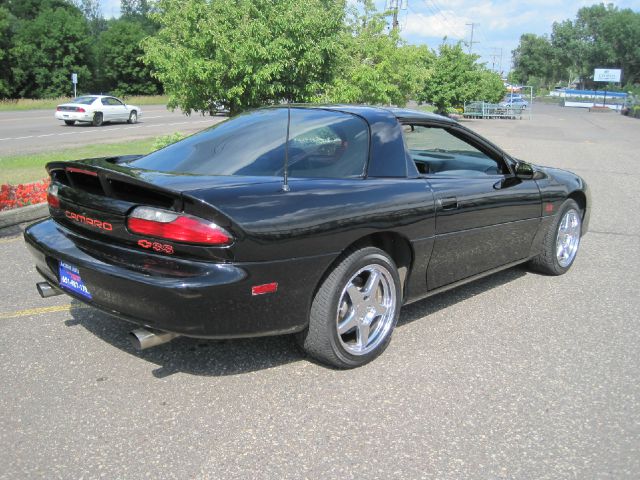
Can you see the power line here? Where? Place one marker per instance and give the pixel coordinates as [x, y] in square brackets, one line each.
[438, 13]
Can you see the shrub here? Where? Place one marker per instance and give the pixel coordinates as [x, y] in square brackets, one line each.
[167, 140]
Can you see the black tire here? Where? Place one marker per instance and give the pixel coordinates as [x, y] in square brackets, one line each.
[70, 122]
[133, 117]
[97, 119]
[321, 339]
[547, 261]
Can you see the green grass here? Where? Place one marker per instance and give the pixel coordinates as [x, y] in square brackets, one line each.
[50, 103]
[30, 168]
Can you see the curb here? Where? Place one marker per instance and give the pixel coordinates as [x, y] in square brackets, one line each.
[23, 214]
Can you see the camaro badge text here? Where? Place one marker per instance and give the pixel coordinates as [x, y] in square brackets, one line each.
[88, 221]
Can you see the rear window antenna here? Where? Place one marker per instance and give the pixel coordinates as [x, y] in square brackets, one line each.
[285, 179]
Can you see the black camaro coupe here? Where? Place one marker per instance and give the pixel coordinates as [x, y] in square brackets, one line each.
[316, 220]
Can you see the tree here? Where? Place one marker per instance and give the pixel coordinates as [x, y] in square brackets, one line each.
[490, 86]
[135, 8]
[6, 42]
[48, 49]
[457, 78]
[600, 36]
[122, 70]
[93, 13]
[243, 53]
[535, 57]
[376, 66]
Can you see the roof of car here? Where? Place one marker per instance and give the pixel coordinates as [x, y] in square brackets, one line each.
[369, 112]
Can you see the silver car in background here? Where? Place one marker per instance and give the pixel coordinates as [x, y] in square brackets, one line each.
[97, 109]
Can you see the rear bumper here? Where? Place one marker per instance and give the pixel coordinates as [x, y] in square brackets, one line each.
[197, 299]
[77, 116]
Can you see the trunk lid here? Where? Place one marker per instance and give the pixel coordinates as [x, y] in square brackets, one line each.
[97, 195]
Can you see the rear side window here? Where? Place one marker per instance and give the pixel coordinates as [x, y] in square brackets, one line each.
[83, 100]
[327, 144]
[321, 144]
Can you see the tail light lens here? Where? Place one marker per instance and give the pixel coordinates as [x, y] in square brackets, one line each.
[80, 109]
[179, 227]
[58, 109]
[52, 196]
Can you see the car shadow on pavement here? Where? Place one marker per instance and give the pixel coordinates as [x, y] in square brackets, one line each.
[190, 355]
[416, 311]
[233, 357]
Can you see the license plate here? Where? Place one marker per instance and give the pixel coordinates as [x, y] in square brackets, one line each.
[64, 115]
[70, 279]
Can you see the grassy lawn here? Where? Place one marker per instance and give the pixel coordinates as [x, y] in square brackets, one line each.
[30, 168]
[50, 103]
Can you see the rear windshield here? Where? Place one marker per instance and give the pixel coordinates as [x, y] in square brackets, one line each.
[83, 100]
[322, 144]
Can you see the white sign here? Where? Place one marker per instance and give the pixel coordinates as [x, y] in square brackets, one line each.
[74, 78]
[607, 75]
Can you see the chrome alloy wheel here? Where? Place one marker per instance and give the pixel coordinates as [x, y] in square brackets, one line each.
[366, 309]
[568, 238]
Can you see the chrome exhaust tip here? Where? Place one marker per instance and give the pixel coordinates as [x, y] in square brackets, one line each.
[143, 338]
[46, 290]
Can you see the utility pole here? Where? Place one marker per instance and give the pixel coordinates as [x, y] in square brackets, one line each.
[394, 6]
[494, 59]
[472, 24]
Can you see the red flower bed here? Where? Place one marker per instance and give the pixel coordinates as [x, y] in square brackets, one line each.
[14, 196]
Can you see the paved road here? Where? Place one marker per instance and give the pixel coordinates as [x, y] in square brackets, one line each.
[37, 130]
[517, 376]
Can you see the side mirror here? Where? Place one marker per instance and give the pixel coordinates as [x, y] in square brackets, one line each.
[524, 171]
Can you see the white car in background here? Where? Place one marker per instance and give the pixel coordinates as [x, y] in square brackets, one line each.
[97, 109]
[514, 101]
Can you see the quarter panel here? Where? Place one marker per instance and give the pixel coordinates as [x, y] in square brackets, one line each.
[322, 216]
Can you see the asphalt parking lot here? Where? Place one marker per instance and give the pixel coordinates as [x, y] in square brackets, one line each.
[516, 376]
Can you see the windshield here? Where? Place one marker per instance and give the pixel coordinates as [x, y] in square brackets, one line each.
[322, 144]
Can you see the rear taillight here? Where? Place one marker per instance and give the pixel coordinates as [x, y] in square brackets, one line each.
[80, 109]
[58, 109]
[52, 196]
[180, 227]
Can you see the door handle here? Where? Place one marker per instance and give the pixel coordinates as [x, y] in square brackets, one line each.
[448, 203]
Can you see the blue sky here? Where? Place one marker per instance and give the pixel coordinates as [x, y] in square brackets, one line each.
[499, 23]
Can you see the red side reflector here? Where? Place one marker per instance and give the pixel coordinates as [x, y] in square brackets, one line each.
[266, 288]
[548, 207]
[81, 170]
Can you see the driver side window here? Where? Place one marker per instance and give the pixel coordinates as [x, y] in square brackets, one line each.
[438, 151]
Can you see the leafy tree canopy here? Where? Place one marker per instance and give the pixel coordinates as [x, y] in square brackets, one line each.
[47, 49]
[600, 36]
[119, 52]
[376, 66]
[456, 78]
[6, 42]
[243, 53]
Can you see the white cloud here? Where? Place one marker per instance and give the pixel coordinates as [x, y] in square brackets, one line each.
[444, 24]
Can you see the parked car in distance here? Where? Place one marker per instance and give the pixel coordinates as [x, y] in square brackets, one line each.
[97, 109]
[318, 221]
[514, 101]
